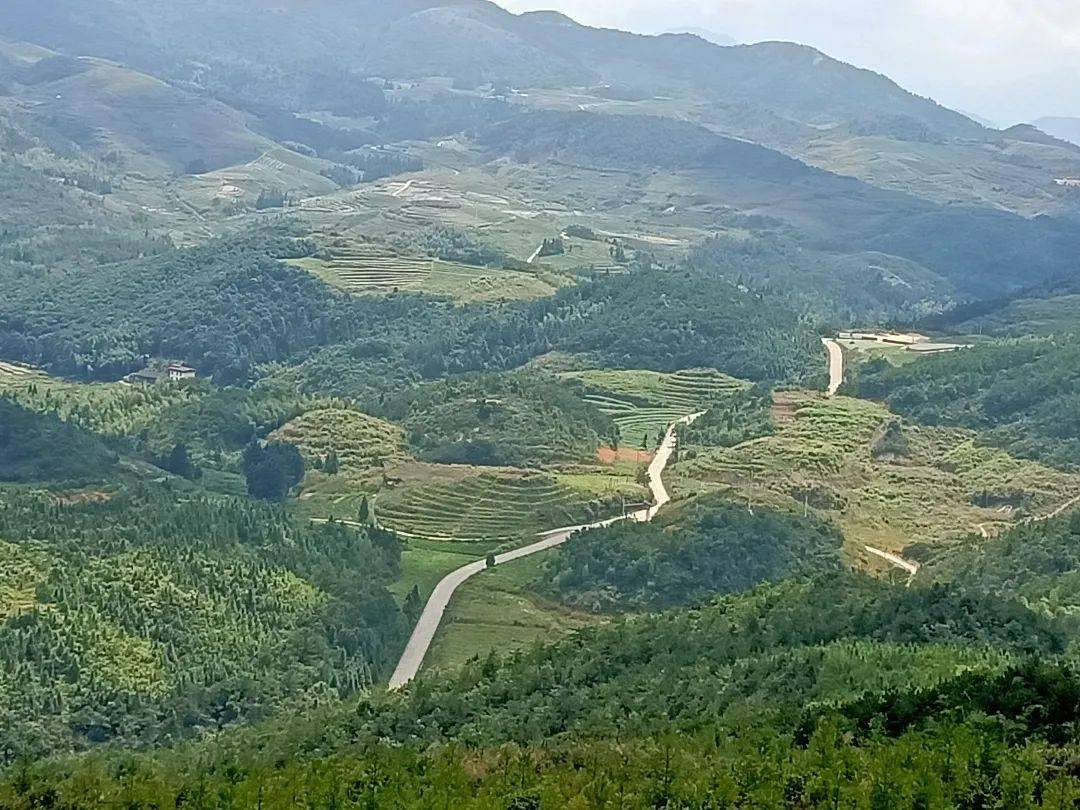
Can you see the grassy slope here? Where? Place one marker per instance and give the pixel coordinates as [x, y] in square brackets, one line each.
[499, 612]
[822, 454]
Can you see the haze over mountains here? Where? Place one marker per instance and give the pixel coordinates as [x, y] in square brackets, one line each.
[326, 325]
[1068, 129]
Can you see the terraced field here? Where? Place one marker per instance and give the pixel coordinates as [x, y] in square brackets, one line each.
[644, 403]
[924, 485]
[361, 442]
[364, 268]
[17, 372]
[488, 507]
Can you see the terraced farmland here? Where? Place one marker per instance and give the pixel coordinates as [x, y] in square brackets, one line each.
[823, 438]
[487, 507]
[361, 442]
[364, 268]
[644, 403]
[930, 484]
[17, 372]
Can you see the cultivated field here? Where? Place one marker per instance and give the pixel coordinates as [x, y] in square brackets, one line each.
[885, 487]
[644, 403]
[17, 371]
[374, 269]
[489, 506]
[361, 442]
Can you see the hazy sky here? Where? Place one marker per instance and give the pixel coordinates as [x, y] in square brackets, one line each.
[1007, 60]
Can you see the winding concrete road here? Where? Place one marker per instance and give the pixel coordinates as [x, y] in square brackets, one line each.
[836, 365]
[428, 625]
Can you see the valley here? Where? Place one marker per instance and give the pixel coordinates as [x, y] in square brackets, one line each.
[415, 403]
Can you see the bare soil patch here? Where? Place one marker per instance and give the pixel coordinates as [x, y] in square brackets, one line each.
[609, 456]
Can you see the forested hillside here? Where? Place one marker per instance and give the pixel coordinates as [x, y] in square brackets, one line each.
[705, 548]
[140, 617]
[975, 249]
[1024, 393]
[491, 356]
[39, 447]
[232, 305]
[794, 692]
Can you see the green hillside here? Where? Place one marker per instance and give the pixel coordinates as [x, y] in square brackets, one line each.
[39, 447]
[813, 690]
[688, 556]
[443, 277]
[1024, 394]
[138, 619]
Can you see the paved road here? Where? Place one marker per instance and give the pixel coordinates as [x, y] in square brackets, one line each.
[896, 560]
[424, 632]
[836, 365]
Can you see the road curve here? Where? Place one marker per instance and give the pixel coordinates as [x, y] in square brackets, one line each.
[836, 365]
[424, 632]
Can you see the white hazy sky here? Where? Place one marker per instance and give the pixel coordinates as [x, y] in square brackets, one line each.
[1007, 60]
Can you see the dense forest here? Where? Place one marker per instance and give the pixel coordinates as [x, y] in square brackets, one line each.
[976, 756]
[518, 419]
[688, 556]
[230, 306]
[140, 616]
[40, 447]
[1023, 394]
[803, 694]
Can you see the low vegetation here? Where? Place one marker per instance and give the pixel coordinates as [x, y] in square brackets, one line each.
[886, 484]
[491, 506]
[357, 442]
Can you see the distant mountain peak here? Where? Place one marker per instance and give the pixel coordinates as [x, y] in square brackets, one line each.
[1062, 128]
[704, 33]
[549, 17]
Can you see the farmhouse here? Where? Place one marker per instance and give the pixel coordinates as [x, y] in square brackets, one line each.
[145, 377]
[180, 371]
[173, 372]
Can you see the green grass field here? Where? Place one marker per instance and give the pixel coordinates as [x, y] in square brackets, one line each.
[496, 611]
[644, 403]
[425, 562]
